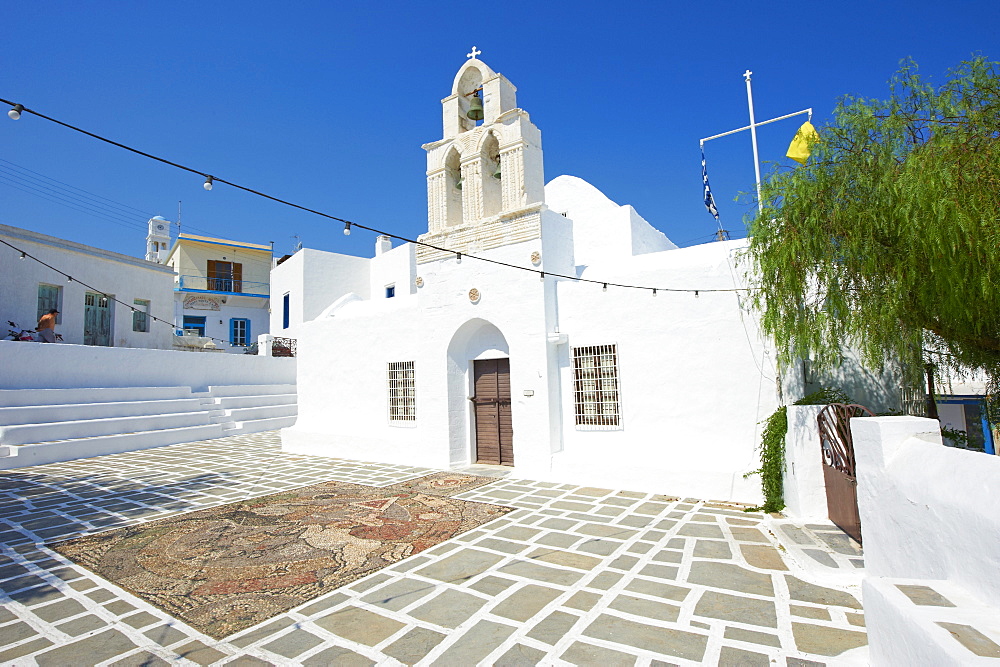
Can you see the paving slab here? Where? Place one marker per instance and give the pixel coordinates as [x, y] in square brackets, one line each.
[574, 575]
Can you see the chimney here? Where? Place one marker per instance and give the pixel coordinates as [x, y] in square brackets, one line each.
[383, 244]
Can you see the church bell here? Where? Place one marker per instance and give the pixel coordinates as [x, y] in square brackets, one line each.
[475, 111]
[496, 174]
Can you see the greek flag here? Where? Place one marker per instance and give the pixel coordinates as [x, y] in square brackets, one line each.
[709, 199]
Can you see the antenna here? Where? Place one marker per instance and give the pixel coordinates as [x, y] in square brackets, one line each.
[298, 243]
[178, 217]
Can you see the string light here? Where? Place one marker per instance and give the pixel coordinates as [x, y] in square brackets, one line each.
[209, 180]
[69, 278]
[654, 291]
[541, 276]
[458, 256]
[605, 287]
[696, 294]
[347, 229]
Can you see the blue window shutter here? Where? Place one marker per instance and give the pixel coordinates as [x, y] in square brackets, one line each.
[232, 330]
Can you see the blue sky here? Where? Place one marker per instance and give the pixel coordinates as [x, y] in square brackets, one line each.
[327, 104]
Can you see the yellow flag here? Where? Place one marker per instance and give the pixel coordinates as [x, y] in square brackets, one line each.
[799, 149]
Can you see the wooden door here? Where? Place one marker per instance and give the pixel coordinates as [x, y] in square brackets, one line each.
[494, 428]
[96, 319]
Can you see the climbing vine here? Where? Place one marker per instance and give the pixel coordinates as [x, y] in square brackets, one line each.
[772, 448]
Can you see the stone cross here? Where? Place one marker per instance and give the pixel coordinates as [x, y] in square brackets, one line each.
[474, 53]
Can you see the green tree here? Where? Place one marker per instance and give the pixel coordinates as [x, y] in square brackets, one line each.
[888, 238]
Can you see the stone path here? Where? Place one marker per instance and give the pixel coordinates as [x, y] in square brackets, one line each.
[575, 575]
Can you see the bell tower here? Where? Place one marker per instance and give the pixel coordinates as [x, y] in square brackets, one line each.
[157, 240]
[485, 181]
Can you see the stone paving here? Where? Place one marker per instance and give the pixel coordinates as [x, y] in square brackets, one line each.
[575, 575]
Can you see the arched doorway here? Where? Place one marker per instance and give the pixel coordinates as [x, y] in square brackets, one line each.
[479, 396]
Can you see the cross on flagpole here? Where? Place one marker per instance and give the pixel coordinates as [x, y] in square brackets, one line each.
[753, 135]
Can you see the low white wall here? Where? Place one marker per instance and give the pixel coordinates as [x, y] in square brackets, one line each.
[804, 484]
[927, 511]
[60, 366]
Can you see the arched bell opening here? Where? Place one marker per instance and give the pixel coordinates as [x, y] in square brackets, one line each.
[492, 176]
[470, 96]
[453, 185]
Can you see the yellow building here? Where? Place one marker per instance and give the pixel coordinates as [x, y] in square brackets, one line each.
[222, 290]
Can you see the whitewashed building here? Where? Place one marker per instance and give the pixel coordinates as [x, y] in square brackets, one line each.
[117, 310]
[429, 355]
[221, 288]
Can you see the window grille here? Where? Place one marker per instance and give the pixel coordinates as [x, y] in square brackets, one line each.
[595, 387]
[402, 391]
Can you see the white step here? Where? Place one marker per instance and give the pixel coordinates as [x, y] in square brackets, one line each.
[43, 414]
[260, 412]
[23, 434]
[25, 397]
[67, 450]
[233, 402]
[258, 425]
[220, 391]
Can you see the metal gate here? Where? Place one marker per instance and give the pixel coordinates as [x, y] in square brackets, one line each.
[839, 471]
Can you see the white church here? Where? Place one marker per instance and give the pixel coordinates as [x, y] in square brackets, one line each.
[539, 359]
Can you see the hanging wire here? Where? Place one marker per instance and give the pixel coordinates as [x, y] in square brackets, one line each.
[71, 279]
[211, 179]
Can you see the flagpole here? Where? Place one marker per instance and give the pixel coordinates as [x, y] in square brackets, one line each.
[709, 199]
[753, 136]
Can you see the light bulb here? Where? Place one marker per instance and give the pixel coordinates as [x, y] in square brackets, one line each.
[347, 229]
[208, 182]
[605, 287]
[654, 291]
[15, 113]
[23, 255]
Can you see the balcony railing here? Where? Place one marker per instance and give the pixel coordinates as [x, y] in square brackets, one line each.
[225, 285]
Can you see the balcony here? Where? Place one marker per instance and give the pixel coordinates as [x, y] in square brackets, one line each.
[221, 286]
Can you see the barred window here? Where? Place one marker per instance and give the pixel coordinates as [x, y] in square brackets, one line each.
[595, 387]
[402, 391]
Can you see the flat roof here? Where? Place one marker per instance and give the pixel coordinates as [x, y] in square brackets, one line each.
[209, 239]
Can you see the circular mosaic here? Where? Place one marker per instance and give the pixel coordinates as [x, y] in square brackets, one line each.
[474, 295]
[418, 281]
[536, 258]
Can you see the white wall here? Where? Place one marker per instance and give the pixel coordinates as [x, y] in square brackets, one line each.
[342, 386]
[693, 392]
[45, 366]
[125, 278]
[803, 481]
[927, 511]
[331, 275]
[695, 379]
[928, 518]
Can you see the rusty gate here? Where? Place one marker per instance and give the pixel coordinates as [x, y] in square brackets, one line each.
[839, 470]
